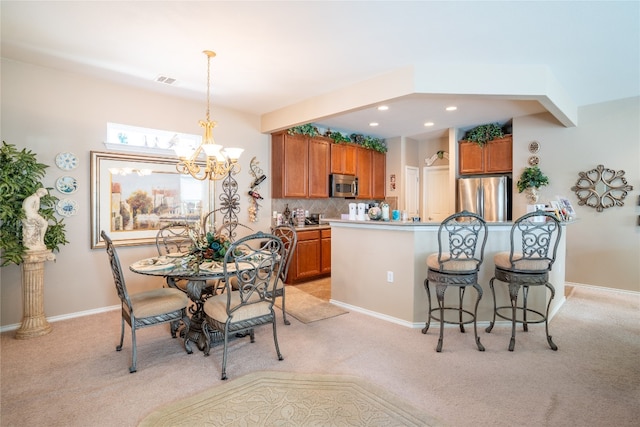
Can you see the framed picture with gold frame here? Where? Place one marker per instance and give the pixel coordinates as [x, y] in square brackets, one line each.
[132, 196]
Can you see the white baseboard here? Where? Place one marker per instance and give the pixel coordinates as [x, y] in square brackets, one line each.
[53, 319]
[602, 288]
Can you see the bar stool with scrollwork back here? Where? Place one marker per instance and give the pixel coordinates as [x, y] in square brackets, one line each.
[537, 234]
[461, 241]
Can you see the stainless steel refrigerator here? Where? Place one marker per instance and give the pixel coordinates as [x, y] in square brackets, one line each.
[486, 196]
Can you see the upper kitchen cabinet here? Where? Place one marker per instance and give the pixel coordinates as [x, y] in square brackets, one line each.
[495, 156]
[319, 167]
[300, 166]
[378, 174]
[343, 159]
[364, 169]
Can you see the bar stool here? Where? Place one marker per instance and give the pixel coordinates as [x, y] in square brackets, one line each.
[537, 235]
[461, 241]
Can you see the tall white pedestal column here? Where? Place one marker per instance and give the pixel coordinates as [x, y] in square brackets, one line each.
[34, 322]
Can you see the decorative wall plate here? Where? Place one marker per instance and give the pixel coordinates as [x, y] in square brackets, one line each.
[66, 161]
[67, 207]
[67, 184]
[534, 147]
[534, 160]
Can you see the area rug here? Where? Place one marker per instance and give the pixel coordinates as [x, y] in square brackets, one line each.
[288, 399]
[307, 308]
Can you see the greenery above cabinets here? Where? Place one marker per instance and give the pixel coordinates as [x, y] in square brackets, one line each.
[364, 141]
[484, 133]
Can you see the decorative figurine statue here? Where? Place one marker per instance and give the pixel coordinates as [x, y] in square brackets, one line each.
[34, 226]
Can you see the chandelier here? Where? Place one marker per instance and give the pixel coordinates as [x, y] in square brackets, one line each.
[220, 161]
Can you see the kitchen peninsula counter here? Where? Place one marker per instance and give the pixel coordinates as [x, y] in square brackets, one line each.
[364, 252]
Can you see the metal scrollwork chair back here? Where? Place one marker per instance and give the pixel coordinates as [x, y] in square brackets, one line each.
[289, 238]
[173, 239]
[537, 236]
[254, 261]
[462, 238]
[148, 308]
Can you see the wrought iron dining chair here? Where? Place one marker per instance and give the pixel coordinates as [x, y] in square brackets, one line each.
[534, 243]
[461, 241]
[173, 239]
[254, 260]
[289, 237]
[148, 308]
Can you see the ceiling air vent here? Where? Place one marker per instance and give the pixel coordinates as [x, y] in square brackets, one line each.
[166, 80]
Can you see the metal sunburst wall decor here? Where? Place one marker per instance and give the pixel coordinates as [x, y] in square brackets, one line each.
[601, 188]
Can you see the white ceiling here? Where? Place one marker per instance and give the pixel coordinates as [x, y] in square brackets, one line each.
[275, 55]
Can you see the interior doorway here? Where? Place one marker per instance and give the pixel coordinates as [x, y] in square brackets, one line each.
[412, 190]
[435, 193]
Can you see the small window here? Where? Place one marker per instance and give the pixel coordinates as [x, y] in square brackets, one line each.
[133, 138]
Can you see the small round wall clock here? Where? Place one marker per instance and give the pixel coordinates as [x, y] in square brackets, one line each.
[67, 184]
[66, 161]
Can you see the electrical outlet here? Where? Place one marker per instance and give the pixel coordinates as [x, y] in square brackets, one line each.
[390, 276]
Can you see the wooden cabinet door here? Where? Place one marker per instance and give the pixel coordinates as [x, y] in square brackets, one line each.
[325, 251]
[498, 155]
[378, 174]
[289, 165]
[306, 258]
[363, 172]
[319, 167]
[343, 159]
[349, 159]
[471, 158]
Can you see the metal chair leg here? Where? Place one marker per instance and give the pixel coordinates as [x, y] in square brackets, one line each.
[546, 319]
[440, 297]
[134, 351]
[513, 296]
[475, 317]
[525, 295]
[461, 292]
[284, 314]
[426, 326]
[493, 292]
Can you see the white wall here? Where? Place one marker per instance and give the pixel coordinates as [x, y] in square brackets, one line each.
[49, 112]
[603, 248]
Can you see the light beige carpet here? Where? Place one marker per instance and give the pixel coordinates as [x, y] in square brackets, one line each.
[307, 308]
[281, 398]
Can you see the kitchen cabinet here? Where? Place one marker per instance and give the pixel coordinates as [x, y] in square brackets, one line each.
[325, 250]
[300, 166]
[363, 172]
[311, 259]
[343, 159]
[378, 175]
[494, 157]
[319, 167]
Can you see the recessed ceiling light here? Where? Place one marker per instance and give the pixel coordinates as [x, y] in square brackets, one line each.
[428, 124]
[451, 108]
[373, 124]
[383, 108]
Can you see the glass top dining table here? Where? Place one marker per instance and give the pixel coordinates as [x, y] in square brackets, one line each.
[201, 283]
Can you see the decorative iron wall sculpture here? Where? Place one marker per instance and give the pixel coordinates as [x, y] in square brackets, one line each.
[601, 188]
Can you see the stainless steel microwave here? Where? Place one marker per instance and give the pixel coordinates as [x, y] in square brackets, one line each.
[343, 185]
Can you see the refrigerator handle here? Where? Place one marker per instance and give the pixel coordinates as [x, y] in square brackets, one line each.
[480, 201]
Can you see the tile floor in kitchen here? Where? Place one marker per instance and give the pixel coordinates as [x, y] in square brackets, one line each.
[320, 288]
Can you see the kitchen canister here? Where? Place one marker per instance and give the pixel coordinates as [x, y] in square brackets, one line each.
[385, 211]
[395, 215]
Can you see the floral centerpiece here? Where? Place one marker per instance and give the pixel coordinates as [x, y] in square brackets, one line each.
[207, 247]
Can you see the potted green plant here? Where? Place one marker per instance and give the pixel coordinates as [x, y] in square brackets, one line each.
[531, 180]
[20, 177]
[484, 133]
